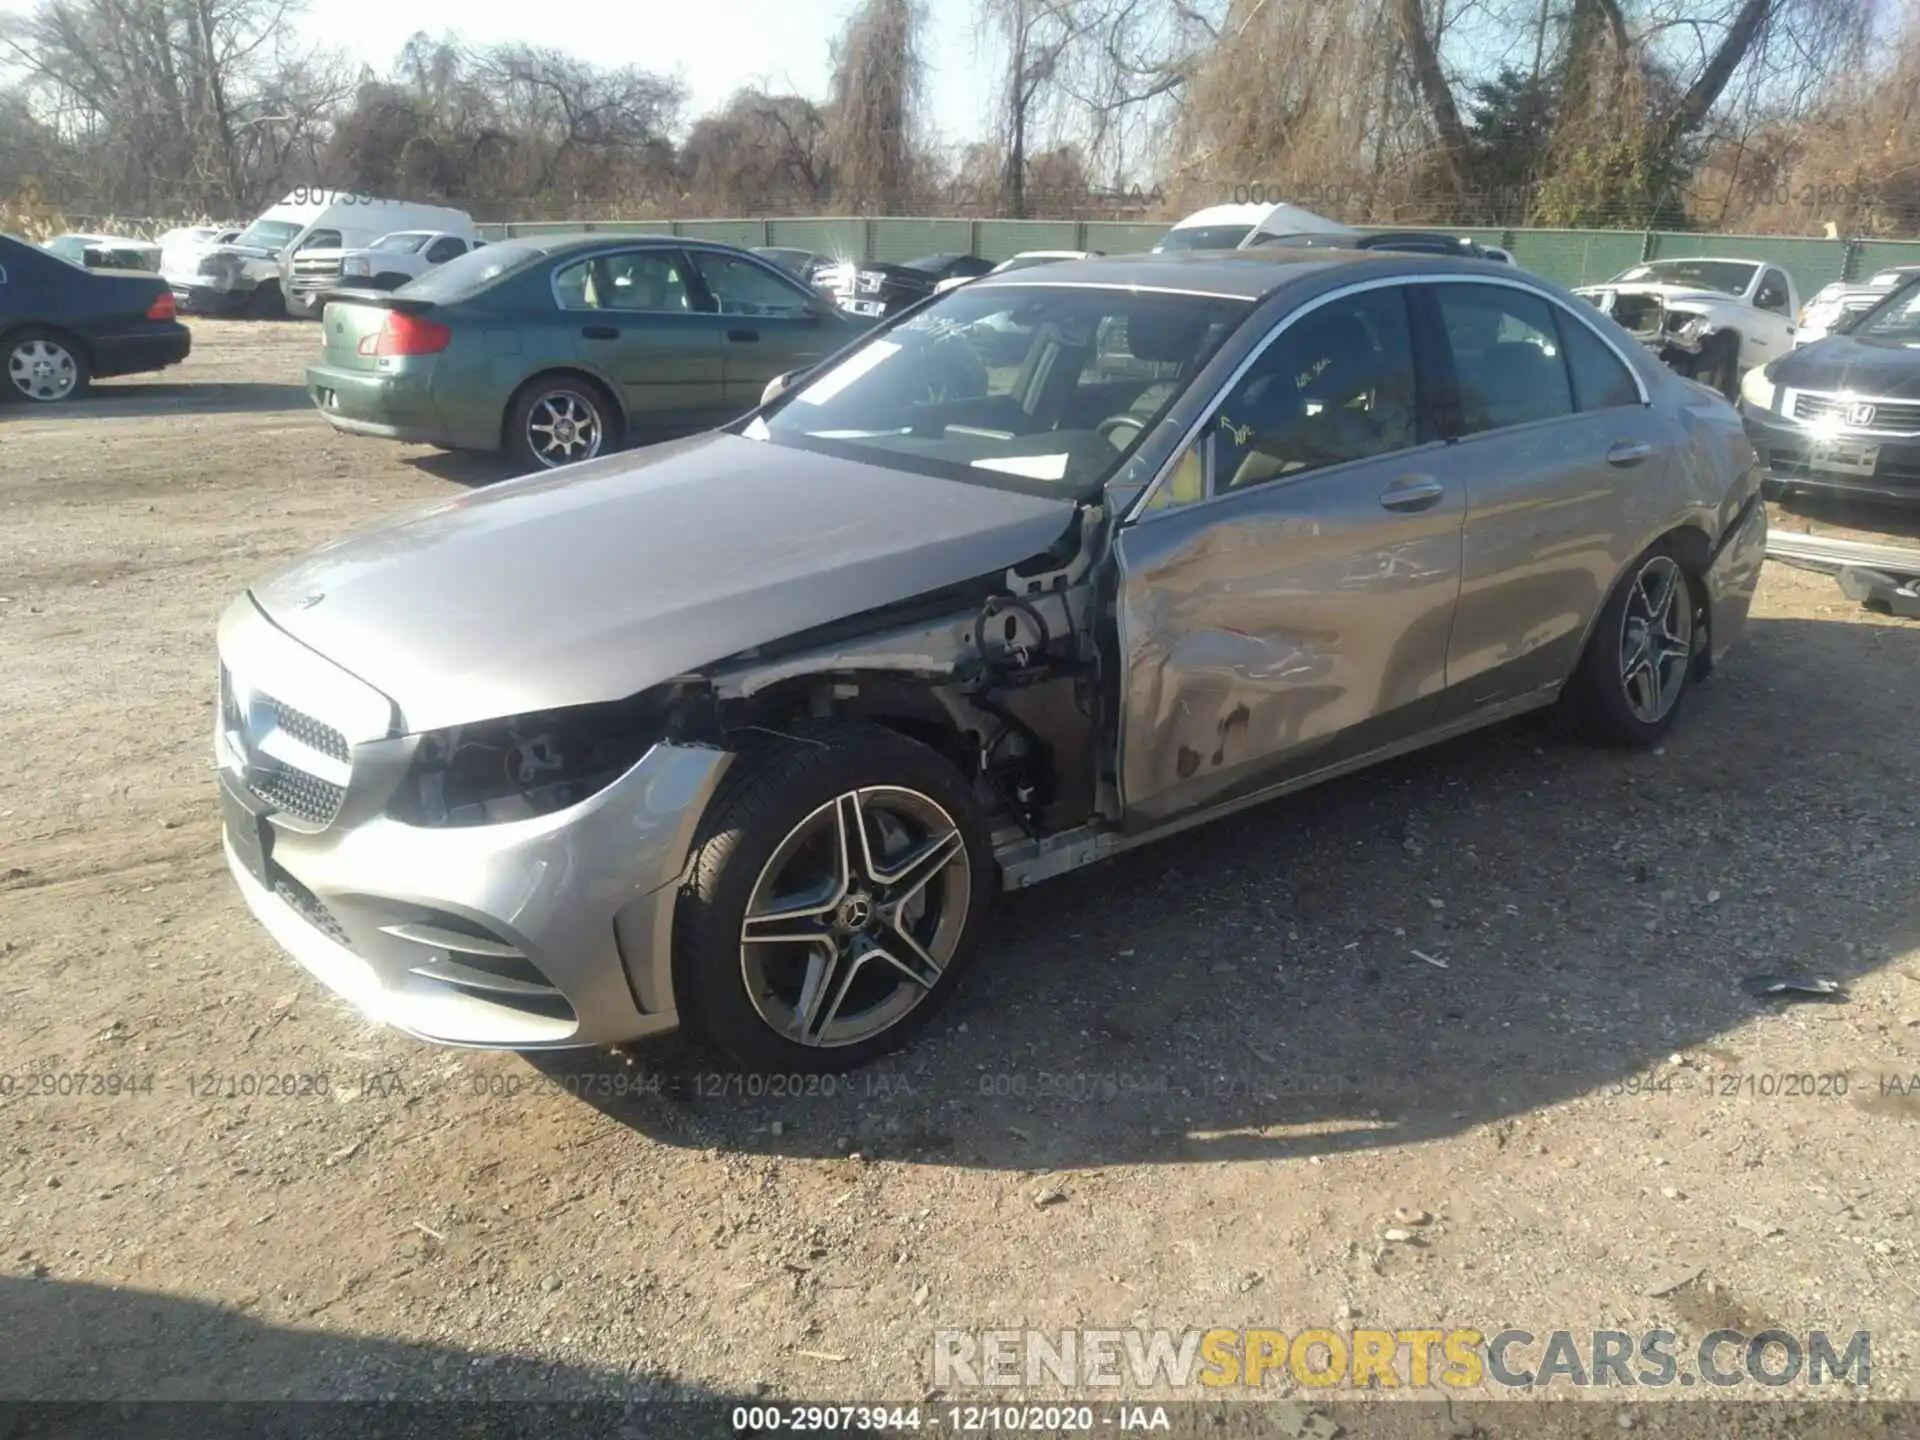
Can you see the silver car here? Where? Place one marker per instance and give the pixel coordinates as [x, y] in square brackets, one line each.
[744, 732]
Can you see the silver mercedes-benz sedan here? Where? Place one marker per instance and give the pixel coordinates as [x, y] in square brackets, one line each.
[744, 732]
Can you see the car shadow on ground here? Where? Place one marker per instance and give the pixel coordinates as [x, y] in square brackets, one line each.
[87, 1360]
[115, 399]
[1447, 941]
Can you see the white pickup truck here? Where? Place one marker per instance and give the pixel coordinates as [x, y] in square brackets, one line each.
[386, 264]
[1710, 318]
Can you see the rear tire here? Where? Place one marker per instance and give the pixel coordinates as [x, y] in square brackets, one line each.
[44, 366]
[799, 948]
[560, 420]
[1641, 656]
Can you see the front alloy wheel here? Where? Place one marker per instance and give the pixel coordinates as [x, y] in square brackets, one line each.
[841, 875]
[855, 916]
[44, 368]
[1656, 639]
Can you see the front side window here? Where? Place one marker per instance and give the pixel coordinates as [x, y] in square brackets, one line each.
[267, 234]
[1039, 388]
[322, 240]
[1506, 356]
[1772, 294]
[1335, 387]
[1601, 380]
[445, 249]
[741, 287]
[648, 280]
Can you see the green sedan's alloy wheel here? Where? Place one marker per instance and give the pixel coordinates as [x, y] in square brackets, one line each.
[44, 368]
[560, 423]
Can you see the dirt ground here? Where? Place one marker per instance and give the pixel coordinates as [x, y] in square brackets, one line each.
[1496, 984]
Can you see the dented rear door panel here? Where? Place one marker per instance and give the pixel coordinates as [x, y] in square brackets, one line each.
[1269, 633]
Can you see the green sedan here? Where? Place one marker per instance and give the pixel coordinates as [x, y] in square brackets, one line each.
[561, 348]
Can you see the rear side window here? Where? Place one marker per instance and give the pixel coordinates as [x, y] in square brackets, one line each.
[1600, 380]
[1506, 355]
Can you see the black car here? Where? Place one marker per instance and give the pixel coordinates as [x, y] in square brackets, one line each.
[876, 288]
[1416, 242]
[62, 325]
[1842, 415]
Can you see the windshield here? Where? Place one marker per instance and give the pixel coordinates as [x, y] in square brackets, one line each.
[1020, 386]
[1728, 277]
[1887, 279]
[268, 234]
[1026, 262]
[932, 262]
[404, 242]
[1205, 237]
[1895, 320]
[465, 274]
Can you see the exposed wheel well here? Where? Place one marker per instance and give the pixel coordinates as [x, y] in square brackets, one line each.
[902, 707]
[561, 372]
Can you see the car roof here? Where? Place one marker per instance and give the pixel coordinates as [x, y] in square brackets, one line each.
[1238, 274]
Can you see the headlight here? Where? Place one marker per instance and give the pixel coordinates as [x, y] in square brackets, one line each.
[1693, 327]
[519, 768]
[357, 265]
[1757, 390]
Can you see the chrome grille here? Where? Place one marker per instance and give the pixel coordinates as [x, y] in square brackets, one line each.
[298, 793]
[1900, 416]
[312, 733]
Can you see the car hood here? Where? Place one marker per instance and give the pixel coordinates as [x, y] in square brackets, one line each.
[1840, 363]
[610, 577]
[1670, 294]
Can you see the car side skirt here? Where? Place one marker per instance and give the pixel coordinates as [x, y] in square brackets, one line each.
[1028, 862]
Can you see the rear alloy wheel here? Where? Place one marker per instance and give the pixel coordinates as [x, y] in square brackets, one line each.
[559, 422]
[833, 900]
[45, 367]
[1641, 655]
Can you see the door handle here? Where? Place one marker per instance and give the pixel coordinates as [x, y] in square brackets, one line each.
[1629, 452]
[600, 332]
[1413, 492]
[743, 337]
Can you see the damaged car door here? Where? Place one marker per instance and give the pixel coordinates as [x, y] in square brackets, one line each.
[1287, 589]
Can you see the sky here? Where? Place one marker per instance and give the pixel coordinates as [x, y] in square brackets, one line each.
[716, 46]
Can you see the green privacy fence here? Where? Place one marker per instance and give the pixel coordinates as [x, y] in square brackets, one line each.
[1573, 257]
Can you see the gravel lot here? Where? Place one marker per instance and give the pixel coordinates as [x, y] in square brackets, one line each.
[1496, 984]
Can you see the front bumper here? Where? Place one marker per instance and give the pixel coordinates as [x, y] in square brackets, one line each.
[1791, 457]
[540, 934]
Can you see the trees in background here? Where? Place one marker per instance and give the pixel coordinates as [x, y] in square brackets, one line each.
[1769, 114]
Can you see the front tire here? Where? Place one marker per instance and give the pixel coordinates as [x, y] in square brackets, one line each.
[560, 420]
[45, 367]
[838, 887]
[1641, 655]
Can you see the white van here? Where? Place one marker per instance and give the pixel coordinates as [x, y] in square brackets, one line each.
[245, 276]
[1228, 227]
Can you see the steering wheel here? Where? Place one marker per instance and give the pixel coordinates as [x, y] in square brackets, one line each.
[1124, 420]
